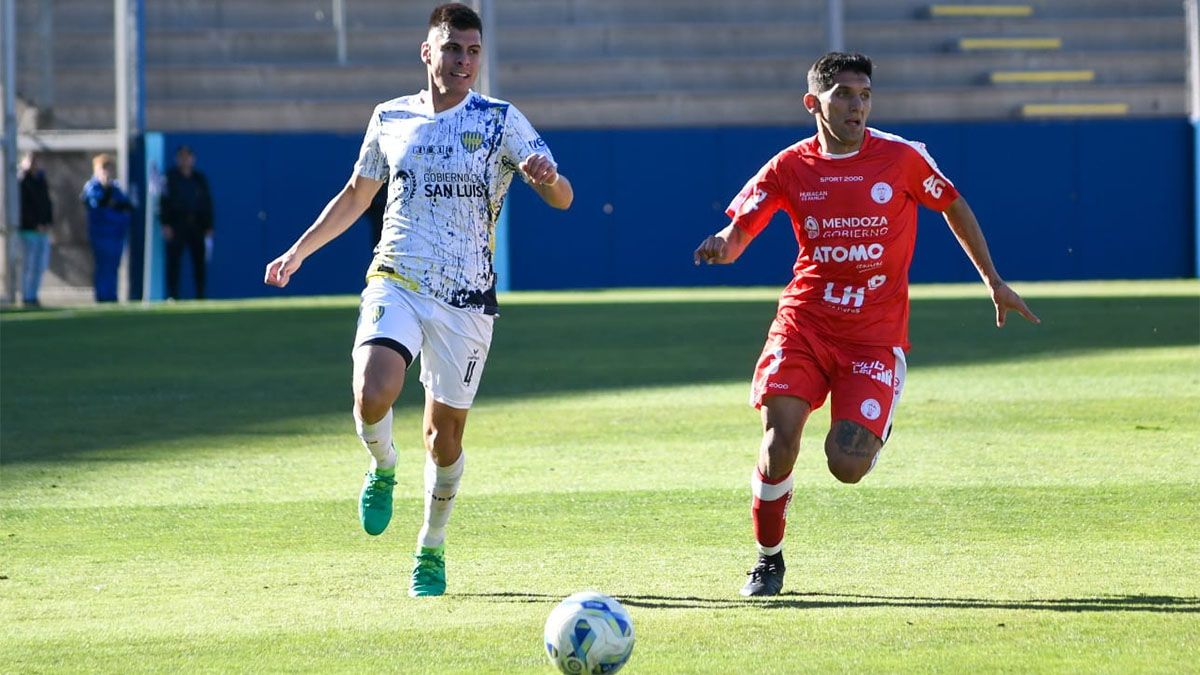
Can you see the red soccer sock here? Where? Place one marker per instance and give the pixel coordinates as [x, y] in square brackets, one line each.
[769, 510]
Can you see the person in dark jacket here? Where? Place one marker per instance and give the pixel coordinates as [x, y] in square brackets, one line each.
[187, 220]
[37, 216]
[108, 215]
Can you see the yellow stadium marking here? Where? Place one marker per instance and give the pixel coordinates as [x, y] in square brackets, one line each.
[1024, 76]
[1009, 43]
[941, 11]
[1074, 109]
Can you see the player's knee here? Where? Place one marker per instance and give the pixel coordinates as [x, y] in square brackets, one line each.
[849, 463]
[443, 435]
[781, 450]
[850, 450]
[782, 443]
[371, 403]
[848, 469]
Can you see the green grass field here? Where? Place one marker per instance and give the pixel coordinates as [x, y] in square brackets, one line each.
[178, 492]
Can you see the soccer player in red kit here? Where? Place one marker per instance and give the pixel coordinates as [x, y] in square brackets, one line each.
[842, 326]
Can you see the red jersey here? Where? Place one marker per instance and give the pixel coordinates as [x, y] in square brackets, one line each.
[855, 218]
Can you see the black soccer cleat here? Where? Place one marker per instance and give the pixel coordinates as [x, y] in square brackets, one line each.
[767, 576]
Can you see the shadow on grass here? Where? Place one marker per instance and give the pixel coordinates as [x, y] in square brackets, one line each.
[110, 380]
[818, 600]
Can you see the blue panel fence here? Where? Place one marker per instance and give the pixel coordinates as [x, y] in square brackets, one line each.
[1100, 199]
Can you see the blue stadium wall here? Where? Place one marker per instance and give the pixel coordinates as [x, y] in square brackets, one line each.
[1099, 199]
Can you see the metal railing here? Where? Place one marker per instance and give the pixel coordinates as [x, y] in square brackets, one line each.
[1191, 10]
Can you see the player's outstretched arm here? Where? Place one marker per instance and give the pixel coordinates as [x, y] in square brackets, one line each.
[965, 226]
[551, 186]
[338, 215]
[723, 247]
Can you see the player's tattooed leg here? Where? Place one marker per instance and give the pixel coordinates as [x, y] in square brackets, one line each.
[850, 449]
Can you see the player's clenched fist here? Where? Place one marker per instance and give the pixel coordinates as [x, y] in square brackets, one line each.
[711, 250]
[540, 169]
[281, 269]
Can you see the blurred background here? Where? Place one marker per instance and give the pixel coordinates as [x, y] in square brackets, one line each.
[1070, 126]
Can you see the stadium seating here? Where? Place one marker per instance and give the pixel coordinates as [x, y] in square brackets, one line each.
[273, 64]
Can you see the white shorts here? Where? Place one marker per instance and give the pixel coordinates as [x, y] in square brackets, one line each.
[453, 343]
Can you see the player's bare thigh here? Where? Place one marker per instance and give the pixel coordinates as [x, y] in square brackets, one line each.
[378, 379]
[783, 419]
[851, 449]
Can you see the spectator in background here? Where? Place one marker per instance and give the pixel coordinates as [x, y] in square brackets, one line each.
[187, 220]
[108, 216]
[37, 216]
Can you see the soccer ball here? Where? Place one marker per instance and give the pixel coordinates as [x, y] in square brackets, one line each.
[589, 633]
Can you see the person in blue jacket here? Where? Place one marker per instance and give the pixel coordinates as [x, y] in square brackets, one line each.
[108, 215]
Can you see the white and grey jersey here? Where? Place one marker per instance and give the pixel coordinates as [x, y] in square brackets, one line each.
[448, 173]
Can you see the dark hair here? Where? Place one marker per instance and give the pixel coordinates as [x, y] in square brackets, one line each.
[820, 76]
[457, 16]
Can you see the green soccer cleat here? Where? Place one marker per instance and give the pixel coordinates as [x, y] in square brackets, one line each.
[429, 572]
[375, 502]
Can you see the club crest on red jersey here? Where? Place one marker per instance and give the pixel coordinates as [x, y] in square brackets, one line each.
[811, 227]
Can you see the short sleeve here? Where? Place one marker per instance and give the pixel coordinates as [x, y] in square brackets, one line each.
[372, 163]
[758, 200]
[926, 182]
[521, 140]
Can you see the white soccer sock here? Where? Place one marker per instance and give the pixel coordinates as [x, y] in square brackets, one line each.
[441, 485]
[377, 439]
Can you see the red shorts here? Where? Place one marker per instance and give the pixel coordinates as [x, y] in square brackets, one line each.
[865, 380]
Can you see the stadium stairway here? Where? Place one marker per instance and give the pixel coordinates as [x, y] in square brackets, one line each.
[272, 64]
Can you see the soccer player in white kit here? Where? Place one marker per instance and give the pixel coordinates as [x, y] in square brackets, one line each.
[449, 155]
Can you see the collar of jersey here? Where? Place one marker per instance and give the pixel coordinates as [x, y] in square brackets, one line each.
[449, 111]
[848, 155]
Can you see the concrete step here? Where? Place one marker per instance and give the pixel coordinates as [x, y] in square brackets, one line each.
[917, 36]
[805, 41]
[387, 46]
[197, 47]
[1042, 9]
[275, 14]
[655, 40]
[1041, 76]
[975, 68]
[96, 15]
[1011, 44]
[1074, 110]
[568, 14]
[603, 76]
[278, 57]
[617, 76]
[650, 109]
[778, 107]
[959, 11]
[208, 14]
